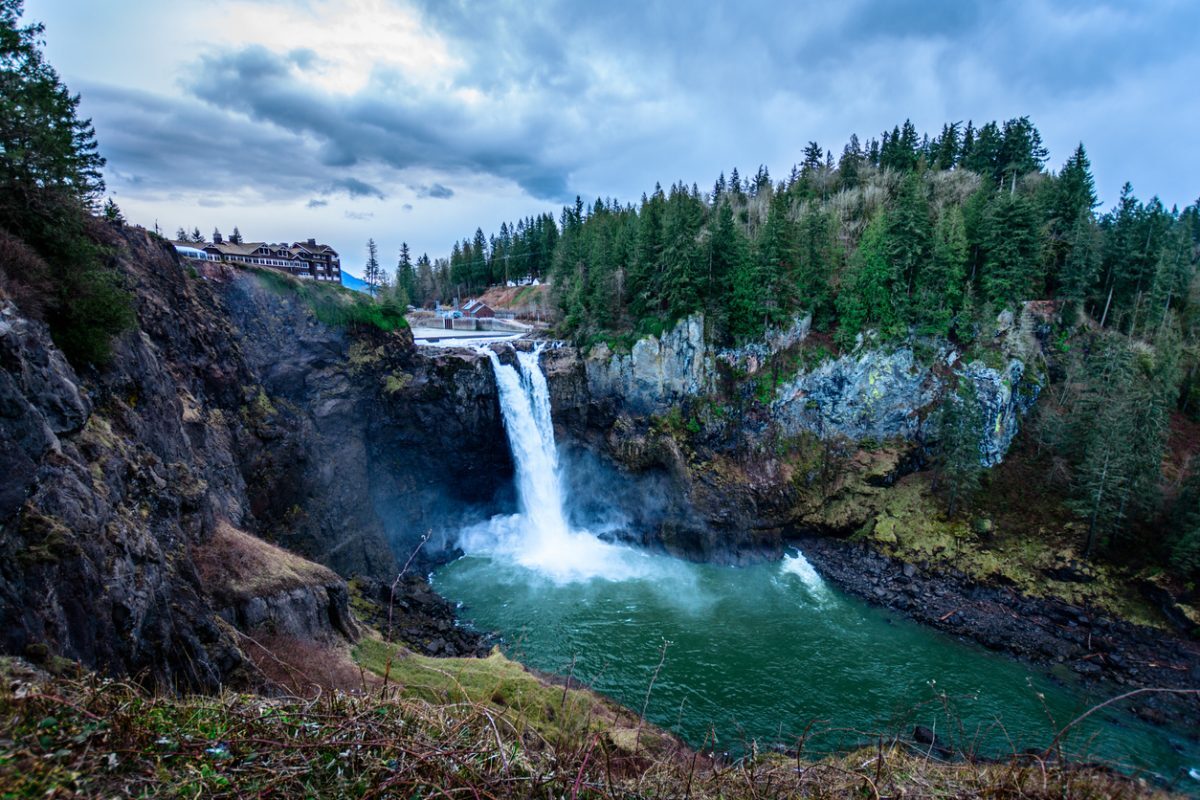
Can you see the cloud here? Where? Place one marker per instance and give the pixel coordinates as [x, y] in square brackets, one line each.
[315, 203]
[436, 191]
[407, 207]
[356, 188]
[605, 99]
[392, 122]
[359, 215]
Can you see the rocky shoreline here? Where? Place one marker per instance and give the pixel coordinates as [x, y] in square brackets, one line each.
[1100, 650]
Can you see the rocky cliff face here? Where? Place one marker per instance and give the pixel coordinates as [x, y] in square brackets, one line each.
[229, 415]
[230, 418]
[737, 473]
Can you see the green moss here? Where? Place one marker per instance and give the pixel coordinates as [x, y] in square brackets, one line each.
[336, 305]
[47, 538]
[396, 382]
[562, 716]
[909, 523]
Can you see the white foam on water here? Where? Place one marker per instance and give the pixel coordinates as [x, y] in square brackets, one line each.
[798, 565]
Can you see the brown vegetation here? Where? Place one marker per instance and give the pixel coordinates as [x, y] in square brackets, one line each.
[95, 738]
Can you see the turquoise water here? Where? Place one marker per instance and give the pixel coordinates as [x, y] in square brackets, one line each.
[763, 652]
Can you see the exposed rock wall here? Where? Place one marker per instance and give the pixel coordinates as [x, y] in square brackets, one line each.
[873, 393]
[227, 406]
[657, 372]
[660, 372]
[735, 475]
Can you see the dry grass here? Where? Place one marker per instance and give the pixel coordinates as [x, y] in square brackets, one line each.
[236, 566]
[96, 738]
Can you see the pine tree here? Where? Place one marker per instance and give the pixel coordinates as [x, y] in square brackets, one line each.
[850, 164]
[684, 268]
[427, 289]
[48, 155]
[112, 212]
[372, 273]
[1012, 254]
[777, 262]
[1075, 189]
[50, 182]
[1081, 265]
[818, 257]
[939, 291]
[480, 270]
[728, 257]
[1020, 152]
[867, 299]
[957, 463]
[908, 233]
[406, 279]
[236, 236]
[197, 236]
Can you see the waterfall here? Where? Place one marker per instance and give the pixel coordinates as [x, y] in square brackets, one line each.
[525, 406]
[540, 537]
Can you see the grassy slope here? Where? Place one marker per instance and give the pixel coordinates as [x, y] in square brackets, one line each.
[87, 737]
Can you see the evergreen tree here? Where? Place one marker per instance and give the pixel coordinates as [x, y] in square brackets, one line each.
[908, 232]
[866, 301]
[1020, 151]
[1081, 265]
[480, 270]
[850, 164]
[112, 213]
[47, 153]
[777, 259]
[957, 463]
[406, 278]
[50, 182]
[818, 257]
[684, 264]
[197, 236]
[728, 257]
[939, 290]
[1011, 245]
[1120, 425]
[1075, 189]
[372, 273]
[236, 236]
[646, 271]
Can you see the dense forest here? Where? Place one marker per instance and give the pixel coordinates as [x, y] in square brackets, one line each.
[904, 238]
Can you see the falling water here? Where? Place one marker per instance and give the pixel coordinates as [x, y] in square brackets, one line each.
[540, 537]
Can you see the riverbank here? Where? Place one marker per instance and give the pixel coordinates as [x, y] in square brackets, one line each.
[97, 738]
[1072, 640]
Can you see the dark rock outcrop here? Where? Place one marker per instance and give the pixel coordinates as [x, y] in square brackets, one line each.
[227, 407]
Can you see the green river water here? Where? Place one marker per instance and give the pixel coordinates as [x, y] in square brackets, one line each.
[756, 654]
[760, 652]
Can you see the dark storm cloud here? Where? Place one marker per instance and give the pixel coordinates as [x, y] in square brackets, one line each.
[560, 97]
[436, 191]
[356, 188]
[390, 122]
[159, 144]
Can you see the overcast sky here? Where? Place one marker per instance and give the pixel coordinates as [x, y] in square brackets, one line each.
[419, 120]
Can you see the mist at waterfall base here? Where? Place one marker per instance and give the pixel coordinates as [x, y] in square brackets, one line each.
[758, 653]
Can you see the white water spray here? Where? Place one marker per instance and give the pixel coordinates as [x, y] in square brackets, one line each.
[540, 538]
[796, 564]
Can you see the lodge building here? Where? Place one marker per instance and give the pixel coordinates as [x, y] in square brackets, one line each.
[307, 259]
